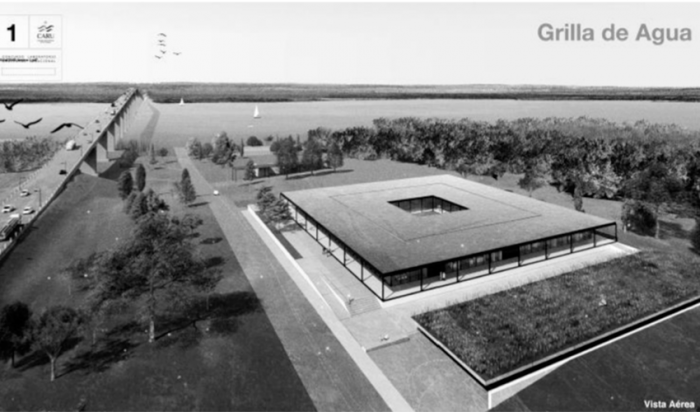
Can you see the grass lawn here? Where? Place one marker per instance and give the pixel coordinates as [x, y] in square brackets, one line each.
[354, 171]
[499, 333]
[231, 361]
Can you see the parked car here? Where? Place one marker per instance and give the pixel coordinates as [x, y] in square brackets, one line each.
[24, 193]
[7, 208]
[27, 210]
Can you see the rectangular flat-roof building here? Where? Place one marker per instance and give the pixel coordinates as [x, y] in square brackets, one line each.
[404, 236]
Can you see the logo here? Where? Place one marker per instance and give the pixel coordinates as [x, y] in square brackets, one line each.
[45, 34]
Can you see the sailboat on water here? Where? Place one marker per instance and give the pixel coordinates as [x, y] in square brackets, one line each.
[182, 101]
[256, 113]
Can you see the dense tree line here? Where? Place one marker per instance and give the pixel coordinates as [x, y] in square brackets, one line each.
[26, 154]
[583, 156]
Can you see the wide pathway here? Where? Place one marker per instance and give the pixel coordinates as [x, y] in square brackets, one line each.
[330, 375]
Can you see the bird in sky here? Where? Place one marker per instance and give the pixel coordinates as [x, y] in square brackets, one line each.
[66, 125]
[177, 53]
[26, 126]
[163, 51]
[2, 121]
[159, 57]
[11, 105]
[162, 34]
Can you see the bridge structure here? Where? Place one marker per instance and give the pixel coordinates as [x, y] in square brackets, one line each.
[100, 136]
[94, 145]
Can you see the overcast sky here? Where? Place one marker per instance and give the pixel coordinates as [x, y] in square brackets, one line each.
[395, 43]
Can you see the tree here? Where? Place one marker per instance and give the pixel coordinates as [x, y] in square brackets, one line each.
[129, 202]
[52, 330]
[194, 148]
[269, 138]
[265, 198]
[254, 141]
[655, 187]
[140, 177]
[156, 268]
[224, 149]
[207, 149]
[275, 146]
[137, 207]
[695, 235]
[272, 209]
[152, 154]
[14, 329]
[154, 203]
[335, 156]
[535, 177]
[287, 156]
[185, 188]
[249, 170]
[278, 213]
[125, 184]
[163, 151]
[312, 156]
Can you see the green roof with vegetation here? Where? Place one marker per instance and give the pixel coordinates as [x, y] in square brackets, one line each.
[499, 333]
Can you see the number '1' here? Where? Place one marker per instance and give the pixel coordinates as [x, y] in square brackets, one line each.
[12, 29]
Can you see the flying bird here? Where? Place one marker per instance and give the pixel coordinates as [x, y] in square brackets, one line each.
[11, 105]
[2, 121]
[26, 126]
[162, 34]
[163, 51]
[66, 125]
[159, 57]
[177, 53]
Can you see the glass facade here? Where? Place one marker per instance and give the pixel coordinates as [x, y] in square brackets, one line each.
[395, 285]
[427, 205]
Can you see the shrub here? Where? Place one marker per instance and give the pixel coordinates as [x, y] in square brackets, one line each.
[207, 149]
[253, 141]
[194, 148]
[125, 184]
[163, 151]
[140, 179]
[695, 236]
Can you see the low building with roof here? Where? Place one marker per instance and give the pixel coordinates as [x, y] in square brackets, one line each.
[405, 236]
[265, 165]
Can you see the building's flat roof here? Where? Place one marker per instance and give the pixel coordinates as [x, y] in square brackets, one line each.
[392, 239]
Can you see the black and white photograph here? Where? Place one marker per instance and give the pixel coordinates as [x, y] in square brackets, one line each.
[349, 206]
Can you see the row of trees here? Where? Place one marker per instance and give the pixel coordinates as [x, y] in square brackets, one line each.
[26, 154]
[317, 152]
[46, 332]
[653, 166]
[222, 150]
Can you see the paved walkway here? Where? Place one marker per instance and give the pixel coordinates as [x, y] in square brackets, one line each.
[335, 371]
[440, 298]
[388, 332]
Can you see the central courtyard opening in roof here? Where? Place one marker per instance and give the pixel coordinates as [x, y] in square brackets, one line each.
[427, 206]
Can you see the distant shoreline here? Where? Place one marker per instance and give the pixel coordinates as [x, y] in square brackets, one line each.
[239, 92]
